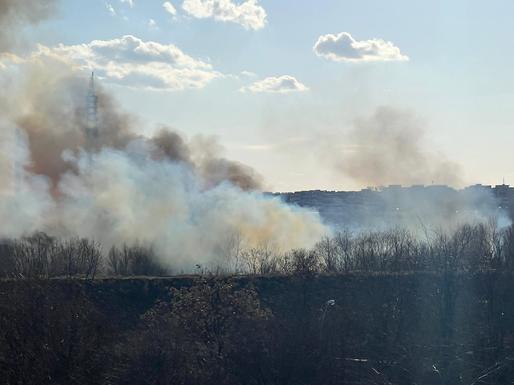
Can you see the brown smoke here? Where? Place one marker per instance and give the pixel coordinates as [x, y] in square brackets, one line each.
[54, 123]
[390, 148]
[51, 111]
[179, 194]
[15, 13]
[214, 168]
[216, 171]
[171, 145]
[50, 121]
[204, 156]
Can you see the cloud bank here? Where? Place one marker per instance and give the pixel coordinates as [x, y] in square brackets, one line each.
[282, 84]
[132, 62]
[248, 14]
[343, 47]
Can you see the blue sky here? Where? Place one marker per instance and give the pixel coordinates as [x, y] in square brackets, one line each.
[457, 80]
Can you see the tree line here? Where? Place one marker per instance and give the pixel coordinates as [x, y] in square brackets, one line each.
[470, 247]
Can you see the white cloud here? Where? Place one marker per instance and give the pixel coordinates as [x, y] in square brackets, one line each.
[133, 62]
[130, 3]
[249, 74]
[169, 8]
[282, 84]
[10, 57]
[152, 24]
[343, 47]
[249, 13]
[110, 8]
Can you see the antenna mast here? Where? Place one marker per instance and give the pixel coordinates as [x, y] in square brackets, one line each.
[92, 112]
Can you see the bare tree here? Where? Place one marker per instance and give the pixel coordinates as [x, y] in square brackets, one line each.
[344, 247]
[327, 250]
[134, 260]
[230, 251]
[305, 262]
[260, 260]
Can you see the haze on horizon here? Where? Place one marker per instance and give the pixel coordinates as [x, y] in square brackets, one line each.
[312, 95]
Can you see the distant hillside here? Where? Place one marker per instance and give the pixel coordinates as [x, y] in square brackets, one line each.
[415, 206]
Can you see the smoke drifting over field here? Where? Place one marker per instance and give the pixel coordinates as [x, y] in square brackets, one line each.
[179, 195]
[389, 148]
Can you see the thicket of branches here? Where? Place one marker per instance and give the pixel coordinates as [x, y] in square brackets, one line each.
[475, 247]
[301, 329]
[41, 256]
[375, 330]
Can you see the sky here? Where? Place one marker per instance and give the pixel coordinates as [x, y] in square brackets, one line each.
[282, 83]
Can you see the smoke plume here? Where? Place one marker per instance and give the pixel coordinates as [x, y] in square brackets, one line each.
[390, 148]
[179, 194]
[14, 14]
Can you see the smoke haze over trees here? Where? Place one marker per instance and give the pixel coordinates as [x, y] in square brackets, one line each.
[180, 195]
[129, 258]
[390, 148]
[467, 248]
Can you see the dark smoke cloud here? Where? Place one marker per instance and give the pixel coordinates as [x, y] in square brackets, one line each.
[179, 194]
[216, 171]
[205, 156]
[170, 145]
[14, 14]
[54, 123]
[390, 148]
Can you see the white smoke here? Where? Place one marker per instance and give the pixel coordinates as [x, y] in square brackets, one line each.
[182, 199]
[25, 201]
[119, 196]
[390, 147]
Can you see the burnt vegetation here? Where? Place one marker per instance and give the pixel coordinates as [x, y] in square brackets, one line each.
[367, 308]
